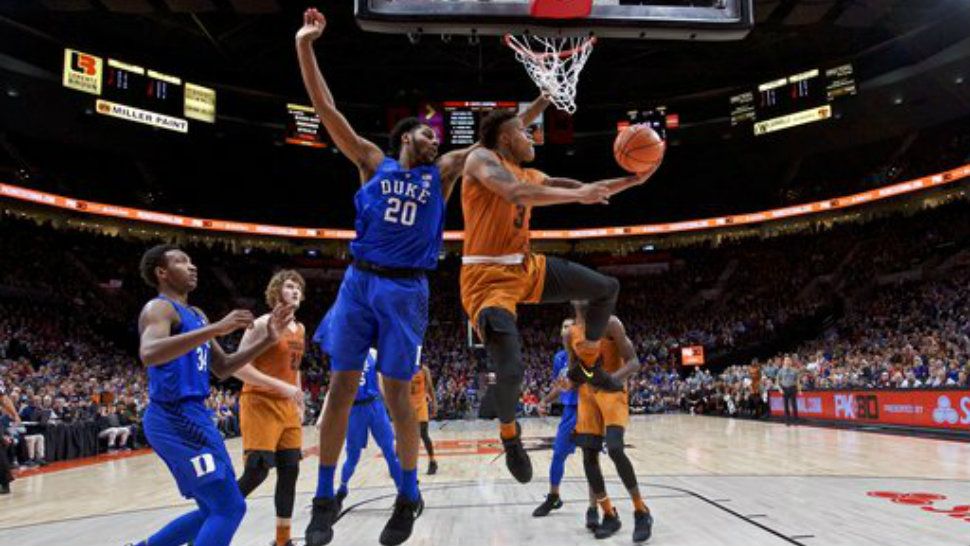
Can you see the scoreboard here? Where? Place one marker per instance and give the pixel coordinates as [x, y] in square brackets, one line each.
[138, 94]
[793, 100]
[456, 122]
[657, 118]
[303, 127]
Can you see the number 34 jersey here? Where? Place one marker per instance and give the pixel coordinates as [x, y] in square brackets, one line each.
[400, 217]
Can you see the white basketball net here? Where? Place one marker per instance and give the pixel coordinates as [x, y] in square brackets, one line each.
[553, 64]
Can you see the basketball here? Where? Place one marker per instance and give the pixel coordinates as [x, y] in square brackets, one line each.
[638, 148]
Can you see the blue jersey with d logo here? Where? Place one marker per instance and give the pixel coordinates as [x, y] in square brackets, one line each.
[186, 376]
[400, 217]
[177, 423]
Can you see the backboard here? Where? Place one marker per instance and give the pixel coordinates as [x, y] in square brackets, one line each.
[708, 20]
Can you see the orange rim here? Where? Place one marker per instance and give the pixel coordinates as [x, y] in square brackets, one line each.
[565, 54]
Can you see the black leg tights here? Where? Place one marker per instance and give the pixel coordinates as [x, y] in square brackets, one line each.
[594, 474]
[567, 281]
[426, 438]
[504, 347]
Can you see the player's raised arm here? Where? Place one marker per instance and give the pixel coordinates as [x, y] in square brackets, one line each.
[534, 110]
[613, 185]
[224, 365]
[158, 346]
[452, 164]
[484, 166]
[364, 153]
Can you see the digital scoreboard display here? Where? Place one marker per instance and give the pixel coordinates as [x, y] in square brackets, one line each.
[457, 122]
[794, 100]
[657, 118]
[138, 94]
[303, 127]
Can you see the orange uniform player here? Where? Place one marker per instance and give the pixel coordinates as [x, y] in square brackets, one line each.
[603, 414]
[423, 396]
[271, 405]
[499, 270]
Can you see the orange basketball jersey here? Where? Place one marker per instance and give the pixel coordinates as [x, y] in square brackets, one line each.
[493, 226]
[609, 352]
[282, 360]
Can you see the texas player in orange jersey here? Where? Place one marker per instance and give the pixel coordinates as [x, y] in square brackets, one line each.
[499, 271]
[271, 404]
[422, 394]
[603, 414]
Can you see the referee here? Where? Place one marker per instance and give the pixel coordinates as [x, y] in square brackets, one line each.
[788, 383]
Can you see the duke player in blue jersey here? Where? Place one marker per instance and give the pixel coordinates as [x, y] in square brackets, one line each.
[368, 415]
[383, 300]
[178, 346]
[564, 445]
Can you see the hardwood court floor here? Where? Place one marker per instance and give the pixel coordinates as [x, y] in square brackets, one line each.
[707, 480]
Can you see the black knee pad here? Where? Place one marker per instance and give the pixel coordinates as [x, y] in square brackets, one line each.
[258, 459]
[288, 457]
[287, 472]
[588, 441]
[614, 438]
[611, 288]
[502, 342]
[496, 321]
[255, 470]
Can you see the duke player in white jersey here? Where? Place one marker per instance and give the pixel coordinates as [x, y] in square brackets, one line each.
[383, 299]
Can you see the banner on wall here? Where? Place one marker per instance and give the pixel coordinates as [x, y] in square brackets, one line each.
[945, 409]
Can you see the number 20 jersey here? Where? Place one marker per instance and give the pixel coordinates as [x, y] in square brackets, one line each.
[400, 217]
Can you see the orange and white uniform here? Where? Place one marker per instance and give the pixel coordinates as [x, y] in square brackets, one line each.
[498, 269]
[268, 421]
[599, 408]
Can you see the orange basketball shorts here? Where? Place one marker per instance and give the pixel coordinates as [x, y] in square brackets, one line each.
[269, 424]
[599, 409]
[503, 286]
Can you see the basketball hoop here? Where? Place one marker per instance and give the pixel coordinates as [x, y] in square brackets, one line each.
[554, 64]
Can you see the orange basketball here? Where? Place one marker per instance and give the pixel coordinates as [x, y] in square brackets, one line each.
[638, 148]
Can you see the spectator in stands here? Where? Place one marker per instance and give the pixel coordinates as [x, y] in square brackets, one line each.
[35, 418]
[110, 429]
[129, 417]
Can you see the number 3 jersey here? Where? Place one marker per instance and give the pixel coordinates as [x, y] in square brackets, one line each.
[281, 360]
[400, 217]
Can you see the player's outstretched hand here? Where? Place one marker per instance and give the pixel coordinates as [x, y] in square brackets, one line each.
[313, 24]
[281, 316]
[593, 194]
[235, 320]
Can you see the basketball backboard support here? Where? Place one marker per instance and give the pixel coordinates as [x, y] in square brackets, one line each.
[705, 20]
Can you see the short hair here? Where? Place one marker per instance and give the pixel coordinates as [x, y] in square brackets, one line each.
[275, 286]
[152, 258]
[491, 126]
[406, 125]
